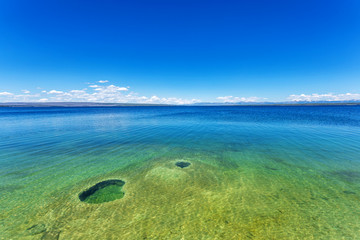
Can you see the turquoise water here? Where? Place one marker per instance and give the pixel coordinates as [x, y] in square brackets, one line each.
[255, 173]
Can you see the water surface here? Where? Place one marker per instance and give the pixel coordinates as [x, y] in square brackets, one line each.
[255, 172]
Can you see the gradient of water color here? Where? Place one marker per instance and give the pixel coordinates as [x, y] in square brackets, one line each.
[255, 173]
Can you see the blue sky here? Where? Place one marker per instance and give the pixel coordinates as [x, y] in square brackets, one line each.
[179, 51]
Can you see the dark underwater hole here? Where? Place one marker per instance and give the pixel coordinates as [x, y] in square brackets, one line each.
[182, 164]
[104, 191]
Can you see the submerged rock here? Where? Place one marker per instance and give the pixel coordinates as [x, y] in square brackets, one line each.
[51, 235]
[104, 191]
[271, 168]
[182, 164]
[36, 229]
[349, 176]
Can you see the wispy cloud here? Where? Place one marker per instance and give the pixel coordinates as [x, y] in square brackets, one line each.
[96, 93]
[120, 94]
[232, 99]
[324, 97]
[6, 94]
[110, 89]
[103, 81]
[55, 92]
[156, 99]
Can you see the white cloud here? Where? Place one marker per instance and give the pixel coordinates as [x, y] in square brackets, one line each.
[6, 94]
[103, 81]
[324, 97]
[109, 93]
[231, 99]
[178, 101]
[153, 99]
[55, 92]
[110, 89]
[120, 94]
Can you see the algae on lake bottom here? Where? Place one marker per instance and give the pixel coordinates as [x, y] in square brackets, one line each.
[105, 191]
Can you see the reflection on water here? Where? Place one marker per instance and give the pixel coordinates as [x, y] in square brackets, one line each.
[254, 173]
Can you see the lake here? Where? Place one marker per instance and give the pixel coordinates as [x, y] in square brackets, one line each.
[252, 172]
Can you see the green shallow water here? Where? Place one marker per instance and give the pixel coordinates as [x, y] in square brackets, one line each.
[255, 173]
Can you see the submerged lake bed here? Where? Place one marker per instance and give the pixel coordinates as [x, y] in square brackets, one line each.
[180, 172]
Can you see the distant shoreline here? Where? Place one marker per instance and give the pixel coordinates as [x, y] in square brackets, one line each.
[91, 104]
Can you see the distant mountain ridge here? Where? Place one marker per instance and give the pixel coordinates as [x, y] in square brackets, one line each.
[98, 104]
[354, 102]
